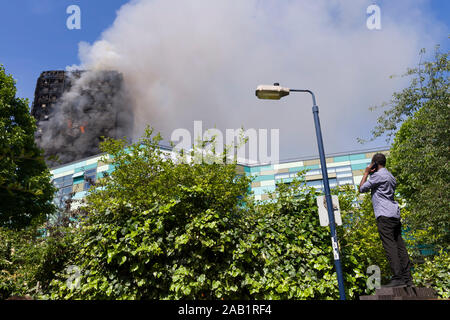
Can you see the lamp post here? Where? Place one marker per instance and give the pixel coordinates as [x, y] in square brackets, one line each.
[276, 92]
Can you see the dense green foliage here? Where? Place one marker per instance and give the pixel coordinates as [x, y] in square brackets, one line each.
[419, 157]
[157, 229]
[20, 254]
[291, 253]
[29, 262]
[26, 193]
[435, 273]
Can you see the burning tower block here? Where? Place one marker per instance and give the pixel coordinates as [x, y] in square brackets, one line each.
[75, 109]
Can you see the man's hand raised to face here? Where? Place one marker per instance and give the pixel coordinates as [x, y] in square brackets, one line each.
[371, 168]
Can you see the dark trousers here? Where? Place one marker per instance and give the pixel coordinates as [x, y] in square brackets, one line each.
[390, 230]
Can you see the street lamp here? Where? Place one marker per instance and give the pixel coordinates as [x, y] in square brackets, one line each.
[276, 92]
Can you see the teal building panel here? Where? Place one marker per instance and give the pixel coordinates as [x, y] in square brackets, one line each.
[101, 174]
[78, 180]
[360, 166]
[357, 156]
[86, 167]
[365, 161]
[263, 190]
[284, 180]
[80, 164]
[80, 195]
[264, 178]
[341, 159]
[63, 169]
[266, 168]
[295, 169]
[254, 169]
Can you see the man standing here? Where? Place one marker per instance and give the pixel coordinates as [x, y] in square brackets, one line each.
[387, 213]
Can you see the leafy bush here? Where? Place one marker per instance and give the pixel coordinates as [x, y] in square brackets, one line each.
[290, 252]
[435, 273]
[28, 261]
[161, 229]
[157, 229]
[20, 255]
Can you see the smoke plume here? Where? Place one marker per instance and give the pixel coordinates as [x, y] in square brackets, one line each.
[202, 60]
[93, 105]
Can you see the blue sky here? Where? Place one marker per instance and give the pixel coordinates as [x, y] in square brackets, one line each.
[355, 75]
[34, 36]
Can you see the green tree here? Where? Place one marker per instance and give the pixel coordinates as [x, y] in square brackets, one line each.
[419, 156]
[26, 192]
[158, 229]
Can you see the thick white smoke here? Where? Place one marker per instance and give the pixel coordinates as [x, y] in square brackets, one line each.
[202, 60]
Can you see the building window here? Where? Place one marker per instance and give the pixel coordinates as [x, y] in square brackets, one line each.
[344, 174]
[345, 181]
[343, 169]
[64, 186]
[90, 177]
[280, 176]
[318, 184]
[66, 190]
[62, 182]
[313, 172]
[333, 183]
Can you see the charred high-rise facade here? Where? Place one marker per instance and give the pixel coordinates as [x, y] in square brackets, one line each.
[75, 109]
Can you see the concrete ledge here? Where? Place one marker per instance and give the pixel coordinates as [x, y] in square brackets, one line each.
[405, 293]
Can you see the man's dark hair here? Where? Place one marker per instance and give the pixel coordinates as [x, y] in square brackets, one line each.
[379, 158]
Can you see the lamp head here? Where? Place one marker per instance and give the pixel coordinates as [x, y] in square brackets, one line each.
[272, 92]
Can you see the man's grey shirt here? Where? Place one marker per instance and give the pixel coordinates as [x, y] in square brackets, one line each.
[382, 185]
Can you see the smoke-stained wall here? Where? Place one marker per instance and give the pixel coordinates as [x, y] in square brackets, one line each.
[75, 109]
